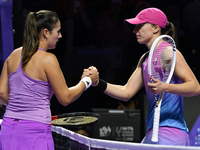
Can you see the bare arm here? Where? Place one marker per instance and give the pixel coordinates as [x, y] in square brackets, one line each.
[57, 81]
[189, 87]
[127, 91]
[4, 84]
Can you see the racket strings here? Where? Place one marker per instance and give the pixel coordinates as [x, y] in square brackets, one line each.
[167, 58]
[162, 61]
[161, 64]
[78, 120]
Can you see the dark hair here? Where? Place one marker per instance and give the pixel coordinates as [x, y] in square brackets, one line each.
[35, 23]
[171, 31]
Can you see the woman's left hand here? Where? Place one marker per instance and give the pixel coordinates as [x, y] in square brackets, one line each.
[156, 87]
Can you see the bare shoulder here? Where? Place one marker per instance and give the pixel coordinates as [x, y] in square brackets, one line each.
[49, 58]
[178, 53]
[15, 56]
[13, 60]
[51, 67]
[17, 50]
[16, 53]
[48, 61]
[142, 58]
[179, 57]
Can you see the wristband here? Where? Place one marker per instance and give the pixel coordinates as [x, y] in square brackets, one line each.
[102, 85]
[87, 81]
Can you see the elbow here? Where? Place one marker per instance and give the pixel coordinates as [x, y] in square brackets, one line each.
[198, 91]
[124, 99]
[4, 98]
[127, 98]
[64, 103]
[66, 100]
[193, 90]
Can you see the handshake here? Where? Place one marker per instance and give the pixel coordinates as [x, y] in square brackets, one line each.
[93, 73]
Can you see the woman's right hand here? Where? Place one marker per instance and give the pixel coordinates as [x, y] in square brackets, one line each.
[94, 76]
[93, 73]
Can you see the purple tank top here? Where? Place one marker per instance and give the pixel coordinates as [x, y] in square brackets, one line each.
[29, 99]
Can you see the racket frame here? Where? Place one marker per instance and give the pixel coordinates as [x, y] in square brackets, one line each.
[76, 114]
[159, 101]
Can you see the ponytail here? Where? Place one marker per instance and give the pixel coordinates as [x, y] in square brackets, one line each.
[171, 31]
[30, 39]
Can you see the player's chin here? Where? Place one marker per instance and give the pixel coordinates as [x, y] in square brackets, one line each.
[140, 41]
[52, 47]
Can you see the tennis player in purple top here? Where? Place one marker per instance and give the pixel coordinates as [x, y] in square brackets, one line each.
[149, 24]
[29, 78]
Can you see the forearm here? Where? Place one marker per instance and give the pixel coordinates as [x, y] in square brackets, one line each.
[69, 95]
[123, 92]
[118, 92]
[186, 89]
[112, 90]
[75, 92]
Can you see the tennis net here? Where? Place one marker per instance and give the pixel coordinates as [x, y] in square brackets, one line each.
[67, 140]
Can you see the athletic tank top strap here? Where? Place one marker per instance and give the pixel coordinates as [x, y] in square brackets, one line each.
[19, 68]
[20, 64]
[40, 49]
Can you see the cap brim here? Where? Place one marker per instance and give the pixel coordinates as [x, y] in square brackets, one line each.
[134, 21]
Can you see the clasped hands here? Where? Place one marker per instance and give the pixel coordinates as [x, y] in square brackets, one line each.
[93, 73]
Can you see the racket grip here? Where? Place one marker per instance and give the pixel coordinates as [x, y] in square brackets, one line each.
[156, 124]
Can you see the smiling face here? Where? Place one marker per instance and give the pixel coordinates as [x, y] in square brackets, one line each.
[54, 36]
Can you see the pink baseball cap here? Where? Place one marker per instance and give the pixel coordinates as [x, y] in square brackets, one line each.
[151, 15]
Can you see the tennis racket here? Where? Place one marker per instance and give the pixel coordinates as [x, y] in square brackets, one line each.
[161, 64]
[75, 119]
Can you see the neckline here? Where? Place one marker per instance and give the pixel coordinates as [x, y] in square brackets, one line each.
[40, 48]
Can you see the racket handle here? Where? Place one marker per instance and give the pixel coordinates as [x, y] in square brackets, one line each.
[156, 124]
